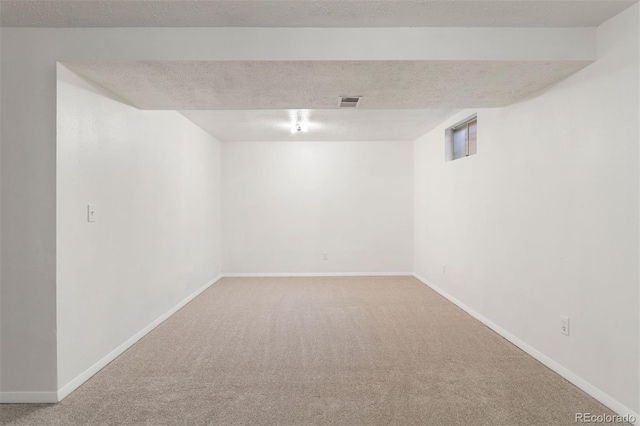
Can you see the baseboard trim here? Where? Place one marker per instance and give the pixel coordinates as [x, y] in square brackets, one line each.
[316, 274]
[28, 397]
[578, 381]
[86, 375]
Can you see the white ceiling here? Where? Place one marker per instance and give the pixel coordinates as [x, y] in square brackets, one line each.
[277, 85]
[323, 124]
[261, 100]
[308, 13]
[239, 100]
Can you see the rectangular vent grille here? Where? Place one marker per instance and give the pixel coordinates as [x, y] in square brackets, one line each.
[349, 101]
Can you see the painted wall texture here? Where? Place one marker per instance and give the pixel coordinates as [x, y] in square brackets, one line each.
[544, 220]
[285, 204]
[28, 169]
[154, 178]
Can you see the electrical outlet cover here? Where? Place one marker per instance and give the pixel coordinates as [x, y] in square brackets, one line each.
[564, 325]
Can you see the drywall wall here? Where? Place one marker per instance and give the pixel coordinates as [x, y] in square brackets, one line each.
[28, 369]
[154, 179]
[285, 204]
[544, 220]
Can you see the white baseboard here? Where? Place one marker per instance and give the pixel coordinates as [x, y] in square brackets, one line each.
[28, 397]
[578, 381]
[86, 375]
[317, 274]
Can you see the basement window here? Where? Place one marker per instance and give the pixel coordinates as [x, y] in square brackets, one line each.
[462, 139]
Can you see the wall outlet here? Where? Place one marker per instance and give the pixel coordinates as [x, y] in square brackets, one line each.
[325, 256]
[564, 325]
[91, 213]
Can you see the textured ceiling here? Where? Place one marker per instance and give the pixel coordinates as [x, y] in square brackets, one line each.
[253, 85]
[261, 100]
[323, 125]
[308, 13]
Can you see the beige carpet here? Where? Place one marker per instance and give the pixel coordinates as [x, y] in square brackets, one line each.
[339, 351]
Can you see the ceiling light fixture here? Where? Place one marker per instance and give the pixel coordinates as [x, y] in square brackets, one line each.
[299, 120]
[299, 128]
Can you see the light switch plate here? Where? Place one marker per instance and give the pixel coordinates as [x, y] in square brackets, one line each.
[91, 213]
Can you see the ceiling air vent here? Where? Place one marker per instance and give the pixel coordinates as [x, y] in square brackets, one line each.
[348, 101]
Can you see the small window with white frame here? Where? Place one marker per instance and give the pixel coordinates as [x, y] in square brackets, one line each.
[462, 139]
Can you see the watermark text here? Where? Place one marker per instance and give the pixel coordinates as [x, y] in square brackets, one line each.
[604, 418]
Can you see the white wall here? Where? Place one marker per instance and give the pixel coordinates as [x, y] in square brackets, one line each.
[28, 169]
[154, 178]
[544, 220]
[28, 340]
[286, 203]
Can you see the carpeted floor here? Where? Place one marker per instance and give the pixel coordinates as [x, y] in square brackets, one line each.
[297, 351]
